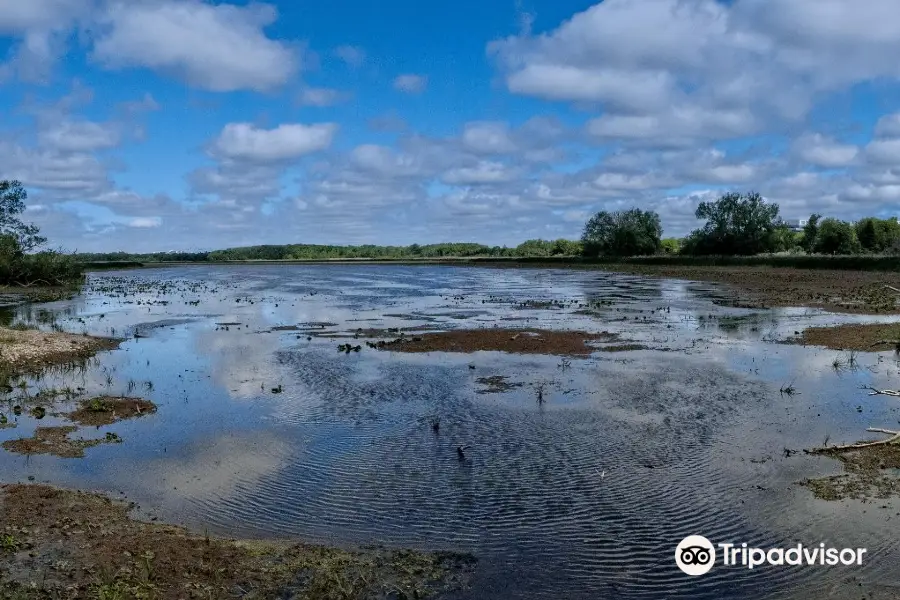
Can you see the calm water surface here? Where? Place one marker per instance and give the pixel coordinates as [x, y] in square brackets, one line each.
[583, 496]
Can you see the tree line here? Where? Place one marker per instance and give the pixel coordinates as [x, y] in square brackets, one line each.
[737, 224]
[530, 248]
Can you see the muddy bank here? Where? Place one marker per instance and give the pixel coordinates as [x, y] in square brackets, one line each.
[25, 350]
[515, 341]
[56, 441]
[868, 473]
[106, 410]
[848, 291]
[60, 543]
[866, 338]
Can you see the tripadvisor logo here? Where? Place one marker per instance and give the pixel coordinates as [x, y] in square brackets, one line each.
[696, 555]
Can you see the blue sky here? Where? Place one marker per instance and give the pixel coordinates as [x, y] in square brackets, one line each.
[189, 124]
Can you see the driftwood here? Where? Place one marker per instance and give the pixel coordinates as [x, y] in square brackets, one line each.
[895, 435]
[892, 288]
[877, 392]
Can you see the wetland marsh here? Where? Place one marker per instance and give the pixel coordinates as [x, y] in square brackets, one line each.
[566, 428]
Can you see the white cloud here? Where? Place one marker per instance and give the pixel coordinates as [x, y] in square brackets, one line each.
[16, 15]
[483, 172]
[216, 47]
[79, 136]
[410, 84]
[703, 68]
[321, 97]
[144, 222]
[244, 141]
[486, 137]
[823, 151]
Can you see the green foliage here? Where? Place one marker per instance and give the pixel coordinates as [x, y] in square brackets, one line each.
[782, 239]
[12, 204]
[563, 247]
[836, 237]
[878, 235]
[810, 230]
[624, 233]
[17, 267]
[535, 248]
[670, 246]
[735, 224]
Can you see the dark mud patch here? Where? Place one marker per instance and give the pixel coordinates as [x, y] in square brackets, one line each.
[30, 350]
[866, 338]
[80, 545]
[308, 327]
[106, 410]
[868, 473]
[847, 291]
[56, 441]
[515, 341]
[496, 384]
[410, 317]
[622, 348]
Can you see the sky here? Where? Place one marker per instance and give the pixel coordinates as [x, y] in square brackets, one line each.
[157, 125]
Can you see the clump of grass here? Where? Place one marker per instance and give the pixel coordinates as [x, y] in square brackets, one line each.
[98, 405]
[9, 543]
[788, 390]
[850, 363]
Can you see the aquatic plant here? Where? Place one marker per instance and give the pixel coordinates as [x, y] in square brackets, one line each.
[788, 390]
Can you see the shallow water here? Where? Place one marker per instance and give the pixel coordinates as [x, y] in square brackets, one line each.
[583, 496]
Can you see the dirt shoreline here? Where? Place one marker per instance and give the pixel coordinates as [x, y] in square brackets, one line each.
[30, 350]
[876, 337]
[58, 543]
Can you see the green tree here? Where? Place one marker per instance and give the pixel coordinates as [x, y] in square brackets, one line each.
[878, 235]
[12, 204]
[783, 239]
[735, 224]
[810, 230]
[671, 246]
[534, 248]
[563, 247]
[632, 232]
[836, 237]
[867, 234]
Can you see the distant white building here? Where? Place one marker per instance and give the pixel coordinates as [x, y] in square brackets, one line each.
[796, 224]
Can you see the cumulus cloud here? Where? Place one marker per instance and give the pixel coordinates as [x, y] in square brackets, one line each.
[823, 151]
[410, 84]
[244, 141]
[702, 68]
[216, 47]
